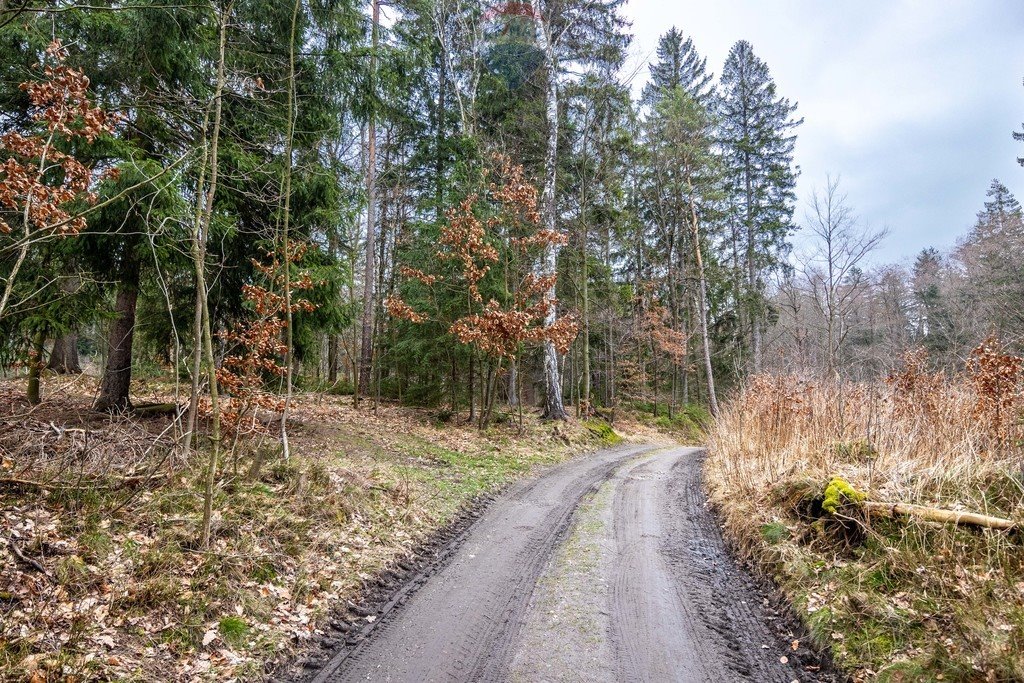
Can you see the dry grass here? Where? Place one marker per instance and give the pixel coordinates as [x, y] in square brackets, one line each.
[122, 591]
[896, 599]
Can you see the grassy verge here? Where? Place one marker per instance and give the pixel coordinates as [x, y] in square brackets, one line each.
[893, 597]
[686, 423]
[123, 591]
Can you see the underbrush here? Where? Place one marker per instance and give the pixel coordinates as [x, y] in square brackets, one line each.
[687, 422]
[102, 575]
[895, 597]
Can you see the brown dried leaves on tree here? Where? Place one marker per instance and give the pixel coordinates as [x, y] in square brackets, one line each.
[664, 337]
[916, 390]
[37, 180]
[998, 380]
[497, 329]
[258, 345]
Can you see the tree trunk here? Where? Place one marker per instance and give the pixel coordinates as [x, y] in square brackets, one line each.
[585, 284]
[286, 248]
[554, 409]
[117, 376]
[64, 356]
[35, 367]
[512, 392]
[200, 234]
[702, 307]
[192, 420]
[442, 86]
[472, 385]
[333, 352]
[366, 346]
[752, 284]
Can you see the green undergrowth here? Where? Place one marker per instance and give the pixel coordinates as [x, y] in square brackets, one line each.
[686, 423]
[454, 478]
[896, 599]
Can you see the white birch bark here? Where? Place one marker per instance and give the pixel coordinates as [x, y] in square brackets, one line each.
[554, 409]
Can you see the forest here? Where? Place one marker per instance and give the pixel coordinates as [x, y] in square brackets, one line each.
[225, 221]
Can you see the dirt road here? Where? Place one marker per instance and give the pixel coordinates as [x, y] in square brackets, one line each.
[606, 568]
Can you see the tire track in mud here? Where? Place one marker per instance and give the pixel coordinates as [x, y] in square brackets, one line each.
[462, 624]
[655, 629]
[642, 589]
[647, 570]
[737, 629]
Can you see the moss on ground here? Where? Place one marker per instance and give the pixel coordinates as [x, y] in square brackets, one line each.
[838, 494]
[603, 431]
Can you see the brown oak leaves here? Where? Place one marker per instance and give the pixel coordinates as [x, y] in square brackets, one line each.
[497, 328]
[38, 181]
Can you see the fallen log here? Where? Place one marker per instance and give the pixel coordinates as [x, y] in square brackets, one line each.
[938, 515]
[149, 409]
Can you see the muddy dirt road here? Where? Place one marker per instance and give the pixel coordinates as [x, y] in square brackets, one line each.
[606, 568]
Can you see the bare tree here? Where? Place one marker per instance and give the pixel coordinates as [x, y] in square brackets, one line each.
[832, 268]
[200, 235]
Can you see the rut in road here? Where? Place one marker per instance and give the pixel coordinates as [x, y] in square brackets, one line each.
[461, 624]
[642, 589]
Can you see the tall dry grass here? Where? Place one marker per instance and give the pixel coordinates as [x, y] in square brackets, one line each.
[894, 599]
[917, 437]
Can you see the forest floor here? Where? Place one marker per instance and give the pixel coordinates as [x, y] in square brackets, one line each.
[102, 575]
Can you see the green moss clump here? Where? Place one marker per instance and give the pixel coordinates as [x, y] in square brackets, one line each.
[603, 431]
[838, 493]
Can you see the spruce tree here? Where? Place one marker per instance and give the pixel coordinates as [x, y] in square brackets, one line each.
[934, 320]
[678, 66]
[1019, 137]
[1002, 206]
[992, 286]
[757, 139]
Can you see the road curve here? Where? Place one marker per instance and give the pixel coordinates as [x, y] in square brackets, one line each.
[657, 599]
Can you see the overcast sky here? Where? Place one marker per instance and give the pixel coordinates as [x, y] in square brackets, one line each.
[911, 102]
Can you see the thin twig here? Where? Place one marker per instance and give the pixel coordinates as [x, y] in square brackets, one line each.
[24, 559]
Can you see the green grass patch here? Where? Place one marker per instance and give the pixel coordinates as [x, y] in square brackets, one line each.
[774, 532]
[233, 629]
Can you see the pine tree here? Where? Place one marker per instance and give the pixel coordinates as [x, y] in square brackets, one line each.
[1019, 137]
[678, 66]
[1002, 206]
[757, 138]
